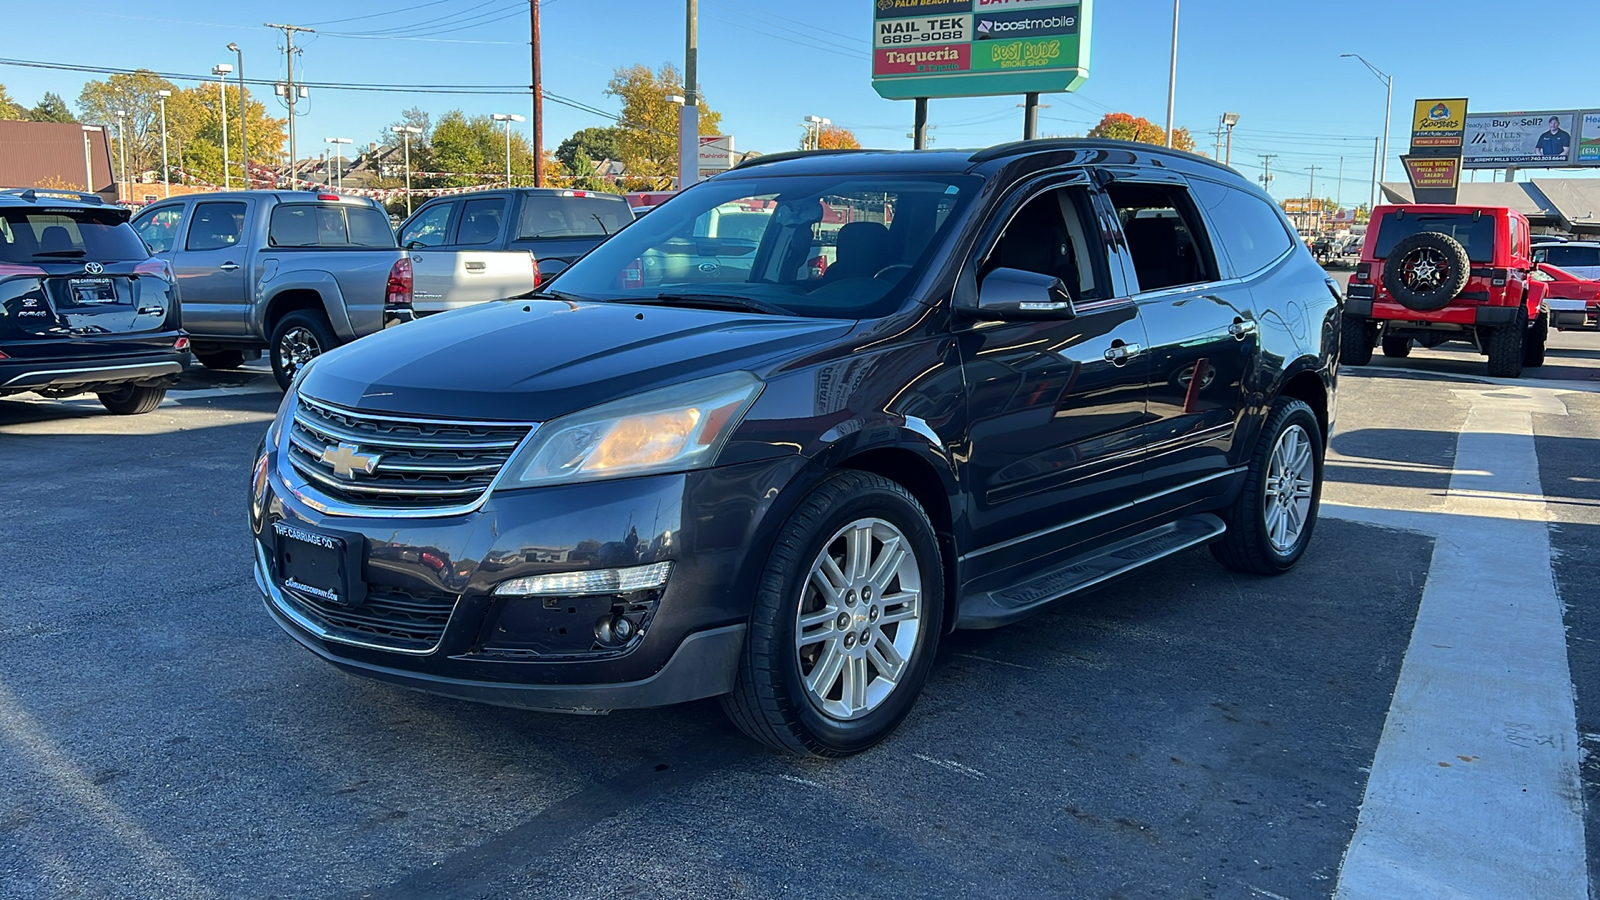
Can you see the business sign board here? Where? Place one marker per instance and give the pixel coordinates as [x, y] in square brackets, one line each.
[1532, 140]
[716, 152]
[1438, 123]
[1438, 131]
[978, 48]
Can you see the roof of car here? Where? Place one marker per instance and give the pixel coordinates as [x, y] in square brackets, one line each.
[53, 198]
[1061, 151]
[280, 196]
[1444, 208]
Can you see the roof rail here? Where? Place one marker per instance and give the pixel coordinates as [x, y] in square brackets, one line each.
[796, 154]
[1018, 148]
[31, 195]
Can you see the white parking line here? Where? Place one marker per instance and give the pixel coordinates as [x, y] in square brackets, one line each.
[1474, 789]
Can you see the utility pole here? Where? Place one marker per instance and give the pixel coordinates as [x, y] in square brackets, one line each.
[1266, 170]
[538, 97]
[689, 133]
[1311, 201]
[1338, 198]
[291, 92]
[1217, 144]
[1311, 192]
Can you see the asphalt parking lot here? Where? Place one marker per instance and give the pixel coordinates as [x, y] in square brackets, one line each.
[1183, 733]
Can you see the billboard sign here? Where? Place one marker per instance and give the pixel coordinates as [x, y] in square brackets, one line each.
[1438, 123]
[1589, 140]
[978, 48]
[1525, 139]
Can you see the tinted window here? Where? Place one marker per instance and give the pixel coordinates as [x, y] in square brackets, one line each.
[428, 228]
[820, 245]
[312, 225]
[1051, 235]
[480, 221]
[1168, 246]
[159, 228]
[46, 234]
[1249, 229]
[546, 216]
[1475, 234]
[1565, 257]
[215, 226]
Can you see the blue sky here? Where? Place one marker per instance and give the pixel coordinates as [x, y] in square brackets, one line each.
[765, 64]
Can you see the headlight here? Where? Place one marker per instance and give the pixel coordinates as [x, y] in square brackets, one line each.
[674, 429]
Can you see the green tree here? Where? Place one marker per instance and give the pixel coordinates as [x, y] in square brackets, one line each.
[589, 144]
[647, 134]
[51, 108]
[475, 150]
[194, 130]
[414, 117]
[10, 109]
[135, 94]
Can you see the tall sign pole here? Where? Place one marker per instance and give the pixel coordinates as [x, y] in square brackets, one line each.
[1172, 75]
[689, 134]
[538, 97]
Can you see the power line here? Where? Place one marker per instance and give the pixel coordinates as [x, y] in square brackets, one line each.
[321, 85]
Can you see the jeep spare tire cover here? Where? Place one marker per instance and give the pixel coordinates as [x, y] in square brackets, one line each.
[1426, 271]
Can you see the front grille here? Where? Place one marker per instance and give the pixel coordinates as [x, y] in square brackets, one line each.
[389, 617]
[420, 464]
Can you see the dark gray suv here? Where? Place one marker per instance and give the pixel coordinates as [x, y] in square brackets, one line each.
[774, 440]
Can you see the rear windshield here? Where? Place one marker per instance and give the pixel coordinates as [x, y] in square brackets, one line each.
[1475, 235]
[41, 235]
[330, 225]
[1565, 257]
[571, 217]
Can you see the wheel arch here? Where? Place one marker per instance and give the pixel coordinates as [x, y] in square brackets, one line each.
[308, 291]
[1308, 385]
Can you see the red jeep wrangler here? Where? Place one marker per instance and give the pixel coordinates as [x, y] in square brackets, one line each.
[1430, 274]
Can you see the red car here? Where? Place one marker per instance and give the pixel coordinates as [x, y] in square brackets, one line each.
[1574, 302]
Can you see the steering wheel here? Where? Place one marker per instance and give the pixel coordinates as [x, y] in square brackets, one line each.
[887, 269]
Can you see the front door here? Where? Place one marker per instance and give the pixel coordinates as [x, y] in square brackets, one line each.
[212, 270]
[1055, 406]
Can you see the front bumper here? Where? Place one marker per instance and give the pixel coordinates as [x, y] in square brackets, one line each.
[536, 653]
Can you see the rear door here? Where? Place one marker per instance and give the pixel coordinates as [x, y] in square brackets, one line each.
[211, 264]
[470, 267]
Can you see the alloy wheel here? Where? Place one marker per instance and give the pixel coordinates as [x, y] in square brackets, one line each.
[1287, 498]
[859, 617]
[296, 348]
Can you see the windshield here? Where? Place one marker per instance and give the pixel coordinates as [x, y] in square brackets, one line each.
[846, 246]
[1474, 233]
[42, 235]
[1566, 256]
[544, 216]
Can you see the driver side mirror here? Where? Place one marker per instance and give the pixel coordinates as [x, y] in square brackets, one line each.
[1018, 294]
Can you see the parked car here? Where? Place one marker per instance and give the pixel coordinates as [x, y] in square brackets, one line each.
[1574, 302]
[1580, 258]
[83, 306]
[297, 273]
[451, 237]
[1434, 273]
[1029, 370]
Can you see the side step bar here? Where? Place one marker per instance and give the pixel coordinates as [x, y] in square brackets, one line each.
[993, 609]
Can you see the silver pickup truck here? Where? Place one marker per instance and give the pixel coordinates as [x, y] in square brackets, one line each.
[297, 273]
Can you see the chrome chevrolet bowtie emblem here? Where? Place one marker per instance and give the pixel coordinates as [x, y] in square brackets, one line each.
[347, 460]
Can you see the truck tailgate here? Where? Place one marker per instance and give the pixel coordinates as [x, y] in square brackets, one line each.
[451, 279]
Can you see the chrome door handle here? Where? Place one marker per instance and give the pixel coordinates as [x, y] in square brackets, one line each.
[1119, 354]
[229, 267]
[1241, 330]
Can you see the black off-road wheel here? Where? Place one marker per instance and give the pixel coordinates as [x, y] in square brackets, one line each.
[847, 616]
[1505, 345]
[1396, 346]
[298, 338]
[1426, 271]
[129, 400]
[1270, 524]
[220, 360]
[1356, 339]
[1534, 341]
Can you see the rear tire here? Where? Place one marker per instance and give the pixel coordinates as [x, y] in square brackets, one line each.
[133, 401]
[1396, 346]
[1506, 345]
[1356, 339]
[1270, 524]
[780, 702]
[220, 359]
[297, 339]
[1538, 335]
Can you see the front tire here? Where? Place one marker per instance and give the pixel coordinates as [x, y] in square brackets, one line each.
[847, 616]
[1356, 339]
[297, 339]
[1270, 524]
[1506, 345]
[133, 401]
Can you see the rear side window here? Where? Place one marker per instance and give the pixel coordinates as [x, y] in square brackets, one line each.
[42, 234]
[1475, 234]
[1564, 257]
[480, 221]
[1249, 229]
[546, 216]
[159, 229]
[1168, 246]
[330, 225]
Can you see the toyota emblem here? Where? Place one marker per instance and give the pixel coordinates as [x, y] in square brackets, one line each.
[93, 268]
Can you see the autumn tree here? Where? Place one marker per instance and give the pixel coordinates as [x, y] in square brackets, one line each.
[1125, 127]
[133, 93]
[194, 126]
[647, 131]
[10, 109]
[1183, 140]
[834, 137]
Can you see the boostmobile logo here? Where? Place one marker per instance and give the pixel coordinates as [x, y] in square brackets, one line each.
[987, 27]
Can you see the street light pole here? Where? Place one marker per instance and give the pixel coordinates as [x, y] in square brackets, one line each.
[508, 118]
[1230, 120]
[88, 165]
[244, 113]
[221, 71]
[1172, 75]
[122, 149]
[1381, 171]
[338, 154]
[166, 171]
[405, 132]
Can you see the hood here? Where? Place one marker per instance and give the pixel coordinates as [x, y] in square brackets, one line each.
[534, 360]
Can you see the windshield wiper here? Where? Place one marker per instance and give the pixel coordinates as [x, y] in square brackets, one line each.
[59, 253]
[555, 295]
[710, 301]
[601, 222]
